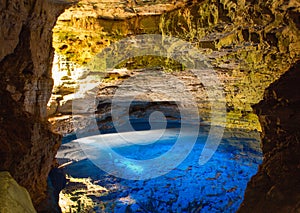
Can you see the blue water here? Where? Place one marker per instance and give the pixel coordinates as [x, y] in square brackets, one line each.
[217, 186]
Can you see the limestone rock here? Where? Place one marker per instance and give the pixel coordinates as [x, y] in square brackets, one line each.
[118, 9]
[27, 145]
[13, 197]
[269, 32]
[249, 44]
[276, 185]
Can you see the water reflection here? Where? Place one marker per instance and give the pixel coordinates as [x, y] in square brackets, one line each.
[217, 186]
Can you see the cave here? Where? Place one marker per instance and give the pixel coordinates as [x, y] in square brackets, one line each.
[54, 111]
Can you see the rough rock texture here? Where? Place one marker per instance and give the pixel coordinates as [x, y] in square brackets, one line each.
[28, 148]
[252, 43]
[120, 9]
[276, 185]
[249, 44]
[13, 197]
[92, 25]
[27, 145]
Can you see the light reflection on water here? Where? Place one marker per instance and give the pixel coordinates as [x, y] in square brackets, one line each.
[217, 186]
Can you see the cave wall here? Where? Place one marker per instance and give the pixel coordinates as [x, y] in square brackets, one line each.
[275, 188]
[27, 146]
[248, 43]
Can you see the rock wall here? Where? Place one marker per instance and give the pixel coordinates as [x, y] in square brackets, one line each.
[27, 145]
[120, 10]
[249, 44]
[275, 187]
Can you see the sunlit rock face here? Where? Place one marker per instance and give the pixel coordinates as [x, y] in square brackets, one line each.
[27, 145]
[84, 29]
[248, 44]
[118, 9]
[251, 43]
[275, 185]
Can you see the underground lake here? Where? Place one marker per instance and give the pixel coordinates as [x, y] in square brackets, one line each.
[185, 106]
[143, 169]
[216, 186]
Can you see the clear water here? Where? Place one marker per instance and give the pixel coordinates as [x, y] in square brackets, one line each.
[217, 186]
